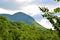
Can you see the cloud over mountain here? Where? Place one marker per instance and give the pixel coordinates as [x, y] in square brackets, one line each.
[29, 7]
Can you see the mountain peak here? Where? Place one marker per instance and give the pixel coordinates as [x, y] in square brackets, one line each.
[19, 16]
[19, 13]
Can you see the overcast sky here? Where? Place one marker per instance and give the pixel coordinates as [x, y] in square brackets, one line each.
[30, 7]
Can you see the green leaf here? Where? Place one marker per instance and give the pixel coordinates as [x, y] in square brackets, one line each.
[57, 10]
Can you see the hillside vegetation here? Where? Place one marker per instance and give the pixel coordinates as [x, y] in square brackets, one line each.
[23, 31]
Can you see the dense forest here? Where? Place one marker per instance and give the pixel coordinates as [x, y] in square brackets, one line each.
[23, 31]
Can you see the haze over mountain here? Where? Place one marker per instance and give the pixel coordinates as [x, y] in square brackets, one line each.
[19, 16]
[22, 17]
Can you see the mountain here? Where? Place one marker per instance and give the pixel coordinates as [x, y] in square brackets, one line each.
[20, 16]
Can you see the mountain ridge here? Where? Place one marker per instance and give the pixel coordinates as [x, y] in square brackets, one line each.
[19, 16]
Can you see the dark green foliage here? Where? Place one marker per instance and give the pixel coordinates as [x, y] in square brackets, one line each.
[22, 31]
[57, 10]
[44, 9]
[57, 0]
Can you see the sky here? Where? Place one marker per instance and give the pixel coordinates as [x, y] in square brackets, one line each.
[30, 7]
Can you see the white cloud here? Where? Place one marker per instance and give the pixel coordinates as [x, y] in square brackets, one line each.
[31, 9]
[45, 23]
[4, 11]
[6, 0]
[21, 1]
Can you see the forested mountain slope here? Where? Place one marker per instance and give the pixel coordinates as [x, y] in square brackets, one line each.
[22, 31]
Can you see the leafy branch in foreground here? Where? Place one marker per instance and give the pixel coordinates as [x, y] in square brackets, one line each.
[57, 10]
[50, 16]
[57, 0]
